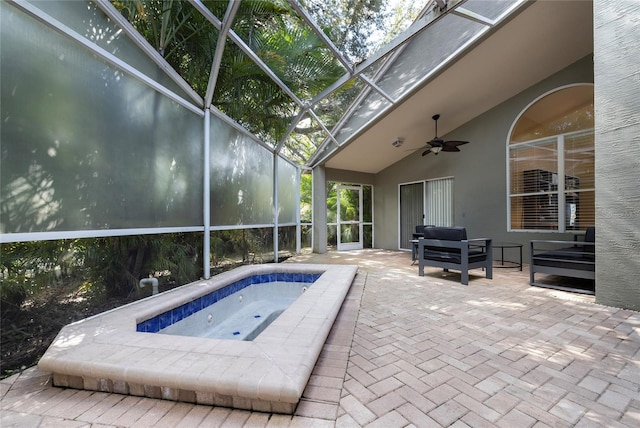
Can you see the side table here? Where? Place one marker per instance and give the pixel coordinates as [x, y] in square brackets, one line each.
[510, 264]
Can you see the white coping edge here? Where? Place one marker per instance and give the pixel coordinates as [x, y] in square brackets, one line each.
[274, 367]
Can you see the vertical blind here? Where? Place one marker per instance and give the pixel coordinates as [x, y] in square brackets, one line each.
[439, 198]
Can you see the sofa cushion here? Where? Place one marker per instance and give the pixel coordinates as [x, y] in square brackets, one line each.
[575, 257]
[449, 254]
[419, 233]
[446, 233]
[590, 236]
[568, 253]
[453, 256]
[583, 264]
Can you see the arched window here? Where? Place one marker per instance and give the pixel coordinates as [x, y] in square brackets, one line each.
[551, 163]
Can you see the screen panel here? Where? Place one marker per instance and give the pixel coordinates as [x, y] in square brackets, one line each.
[287, 241]
[427, 51]
[287, 191]
[241, 178]
[86, 146]
[86, 19]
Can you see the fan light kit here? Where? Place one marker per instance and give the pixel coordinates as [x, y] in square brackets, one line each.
[438, 145]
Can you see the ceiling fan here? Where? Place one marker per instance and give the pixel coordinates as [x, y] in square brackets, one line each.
[438, 145]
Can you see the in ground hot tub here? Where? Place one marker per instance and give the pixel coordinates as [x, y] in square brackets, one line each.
[116, 351]
[238, 311]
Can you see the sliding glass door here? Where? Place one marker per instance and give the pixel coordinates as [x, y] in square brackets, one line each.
[411, 211]
[425, 202]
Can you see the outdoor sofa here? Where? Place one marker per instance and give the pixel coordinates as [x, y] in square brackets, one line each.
[449, 248]
[575, 259]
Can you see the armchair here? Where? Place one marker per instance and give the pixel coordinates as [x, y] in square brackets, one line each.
[449, 248]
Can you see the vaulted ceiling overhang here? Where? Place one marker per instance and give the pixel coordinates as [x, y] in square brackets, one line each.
[528, 44]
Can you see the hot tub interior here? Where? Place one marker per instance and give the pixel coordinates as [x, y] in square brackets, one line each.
[238, 311]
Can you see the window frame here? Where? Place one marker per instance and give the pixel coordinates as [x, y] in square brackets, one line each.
[561, 190]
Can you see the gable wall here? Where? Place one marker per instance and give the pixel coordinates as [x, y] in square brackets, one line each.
[479, 170]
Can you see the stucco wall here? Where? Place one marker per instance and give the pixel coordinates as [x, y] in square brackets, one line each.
[617, 108]
[479, 170]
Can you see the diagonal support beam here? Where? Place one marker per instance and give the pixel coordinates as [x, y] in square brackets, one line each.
[476, 17]
[232, 9]
[149, 50]
[327, 41]
[247, 50]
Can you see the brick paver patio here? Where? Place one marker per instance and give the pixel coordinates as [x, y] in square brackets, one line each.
[414, 351]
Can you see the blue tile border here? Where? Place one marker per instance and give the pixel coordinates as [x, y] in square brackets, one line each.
[172, 316]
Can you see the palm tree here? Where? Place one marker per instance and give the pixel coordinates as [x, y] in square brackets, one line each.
[274, 32]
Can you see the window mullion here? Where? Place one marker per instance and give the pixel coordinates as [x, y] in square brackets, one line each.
[561, 185]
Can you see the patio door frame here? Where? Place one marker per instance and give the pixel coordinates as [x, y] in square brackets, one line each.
[417, 213]
[437, 206]
[354, 245]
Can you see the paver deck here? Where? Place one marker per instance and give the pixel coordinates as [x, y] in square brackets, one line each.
[413, 351]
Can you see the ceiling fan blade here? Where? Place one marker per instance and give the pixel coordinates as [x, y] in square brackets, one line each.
[454, 143]
[427, 148]
[450, 149]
